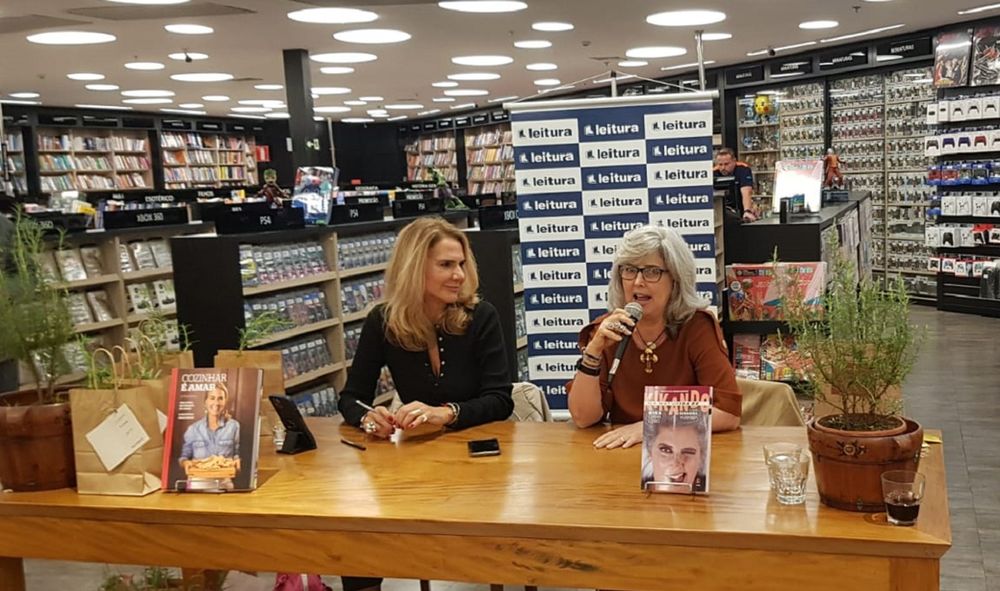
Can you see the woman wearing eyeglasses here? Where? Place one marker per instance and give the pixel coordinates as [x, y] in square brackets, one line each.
[677, 342]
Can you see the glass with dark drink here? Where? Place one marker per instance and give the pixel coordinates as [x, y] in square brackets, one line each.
[902, 491]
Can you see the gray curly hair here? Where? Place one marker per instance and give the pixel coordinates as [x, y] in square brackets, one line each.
[679, 262]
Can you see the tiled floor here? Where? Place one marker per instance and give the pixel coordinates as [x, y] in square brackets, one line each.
[954, 387]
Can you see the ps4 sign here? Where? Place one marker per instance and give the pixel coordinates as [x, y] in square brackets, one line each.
[587, 172]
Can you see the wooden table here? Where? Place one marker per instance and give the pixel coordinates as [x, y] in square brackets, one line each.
[550, 511]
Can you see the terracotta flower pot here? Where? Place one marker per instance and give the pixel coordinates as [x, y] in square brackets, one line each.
[36, 444]
[849, 464]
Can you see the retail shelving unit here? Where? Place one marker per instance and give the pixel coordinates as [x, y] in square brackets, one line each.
[72, 159]
[194, 159]
[490, 159]
[326, 280]
[432, 151]
[14, 141]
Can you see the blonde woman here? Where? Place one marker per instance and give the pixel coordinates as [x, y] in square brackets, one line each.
[442, 344]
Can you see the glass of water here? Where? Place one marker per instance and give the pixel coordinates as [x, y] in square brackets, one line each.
[782, 448]
[788, 473]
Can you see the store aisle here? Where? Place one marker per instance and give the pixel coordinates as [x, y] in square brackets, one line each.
[953, 388]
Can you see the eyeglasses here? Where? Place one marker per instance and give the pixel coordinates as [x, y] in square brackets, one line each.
[649, 274]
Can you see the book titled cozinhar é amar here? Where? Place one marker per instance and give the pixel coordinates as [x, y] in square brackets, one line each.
[212, 437]
[676, 439]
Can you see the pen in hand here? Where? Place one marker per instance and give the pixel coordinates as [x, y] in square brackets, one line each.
[371, 409]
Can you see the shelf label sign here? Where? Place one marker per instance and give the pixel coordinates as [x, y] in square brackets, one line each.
[587, 172]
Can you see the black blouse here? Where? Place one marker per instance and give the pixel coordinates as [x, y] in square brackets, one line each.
[473, 371]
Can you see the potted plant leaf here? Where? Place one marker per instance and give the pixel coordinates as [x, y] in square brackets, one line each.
[36, 440]
[860, 346]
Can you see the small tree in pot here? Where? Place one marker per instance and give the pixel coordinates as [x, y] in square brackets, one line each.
[36, 442]
[861, 346]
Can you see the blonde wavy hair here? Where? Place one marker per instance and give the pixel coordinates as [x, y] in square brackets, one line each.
[406, 323]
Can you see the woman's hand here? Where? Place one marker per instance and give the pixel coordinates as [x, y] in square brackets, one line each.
[622, 437]
[617, 326]
[414, 414]
[378, 423]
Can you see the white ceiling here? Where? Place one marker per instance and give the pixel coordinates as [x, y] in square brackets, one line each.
[250, 45]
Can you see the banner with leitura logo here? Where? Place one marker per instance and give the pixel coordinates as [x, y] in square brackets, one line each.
[587, 172]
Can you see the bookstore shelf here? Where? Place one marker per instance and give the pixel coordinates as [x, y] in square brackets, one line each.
[298, 331]
[345, 273]
[276, 286]
[97, 326]
[312, 376]
[88, 282]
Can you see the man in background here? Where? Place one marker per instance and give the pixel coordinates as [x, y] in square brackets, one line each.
[742, 200]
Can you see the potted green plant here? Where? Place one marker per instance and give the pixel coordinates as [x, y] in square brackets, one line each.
[860, 347]
[36, 440]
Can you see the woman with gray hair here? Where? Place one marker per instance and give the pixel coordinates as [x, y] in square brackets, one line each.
[677, 342]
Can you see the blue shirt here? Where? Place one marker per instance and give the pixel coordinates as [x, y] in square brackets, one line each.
[200, 442]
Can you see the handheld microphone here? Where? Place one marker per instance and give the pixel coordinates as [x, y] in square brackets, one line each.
[634, 311]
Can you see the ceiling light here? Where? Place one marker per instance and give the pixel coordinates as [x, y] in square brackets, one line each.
[547, 82]
[111, 107]
[686, 18]
[202, 77]
[617, 78]
[503, 98]
[277, 115]
[541, 67]
[538, 44]
[685, 66]
[185, 56]
[184, 111]
[25, 95]
[474, 76]
[268, 87]
[190, 105]
[371, 99]
[355, 103]
[466, 92]
[482, 60]
[372, 36]
[463, 106]
[632, 64]
[249, 109]
[149, 2]
[716, 36]
[397, 118]
[979, 9]
[270, 103]
[336, 69]
[326, 90]
[215, 98]
[444, 84]
[333, 16]
[187, 29]
[425, 113]
[71, 38]
[242, 116]
[331, 109]
[443, 99]
[787, 75]
[483, 6]
[148, 101]
[148, 93]
[404, 107]
[147, 66]
[655, 52]
[357, 120]
[378, 112]
[18, 102]
[343, 57]
[781, 48]
[101, 87]
[861, 34]
[809, 25]
[552, 26]
[316, 118]
[85, 76]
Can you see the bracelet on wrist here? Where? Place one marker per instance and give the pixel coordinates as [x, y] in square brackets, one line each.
[587, 369]
[454, 413]
[590, 357]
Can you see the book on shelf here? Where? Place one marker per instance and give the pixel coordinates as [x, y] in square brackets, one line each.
[676, 439]
[212, 436]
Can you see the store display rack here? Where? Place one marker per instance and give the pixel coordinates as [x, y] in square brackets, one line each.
[193, 159]
[14, 164]
[490, 159]
[71, 159]
[436, 150]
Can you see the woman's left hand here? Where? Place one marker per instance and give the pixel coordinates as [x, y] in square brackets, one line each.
[622, 437]
[414, 414]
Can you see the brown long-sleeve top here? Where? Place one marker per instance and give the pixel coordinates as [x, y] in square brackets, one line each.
[697, 357]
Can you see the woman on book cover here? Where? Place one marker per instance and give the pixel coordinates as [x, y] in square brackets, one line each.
[675, 453]
[442, 345]
[677, 342]
[212, 442]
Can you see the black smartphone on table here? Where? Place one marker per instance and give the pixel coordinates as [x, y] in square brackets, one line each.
[484, 447]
